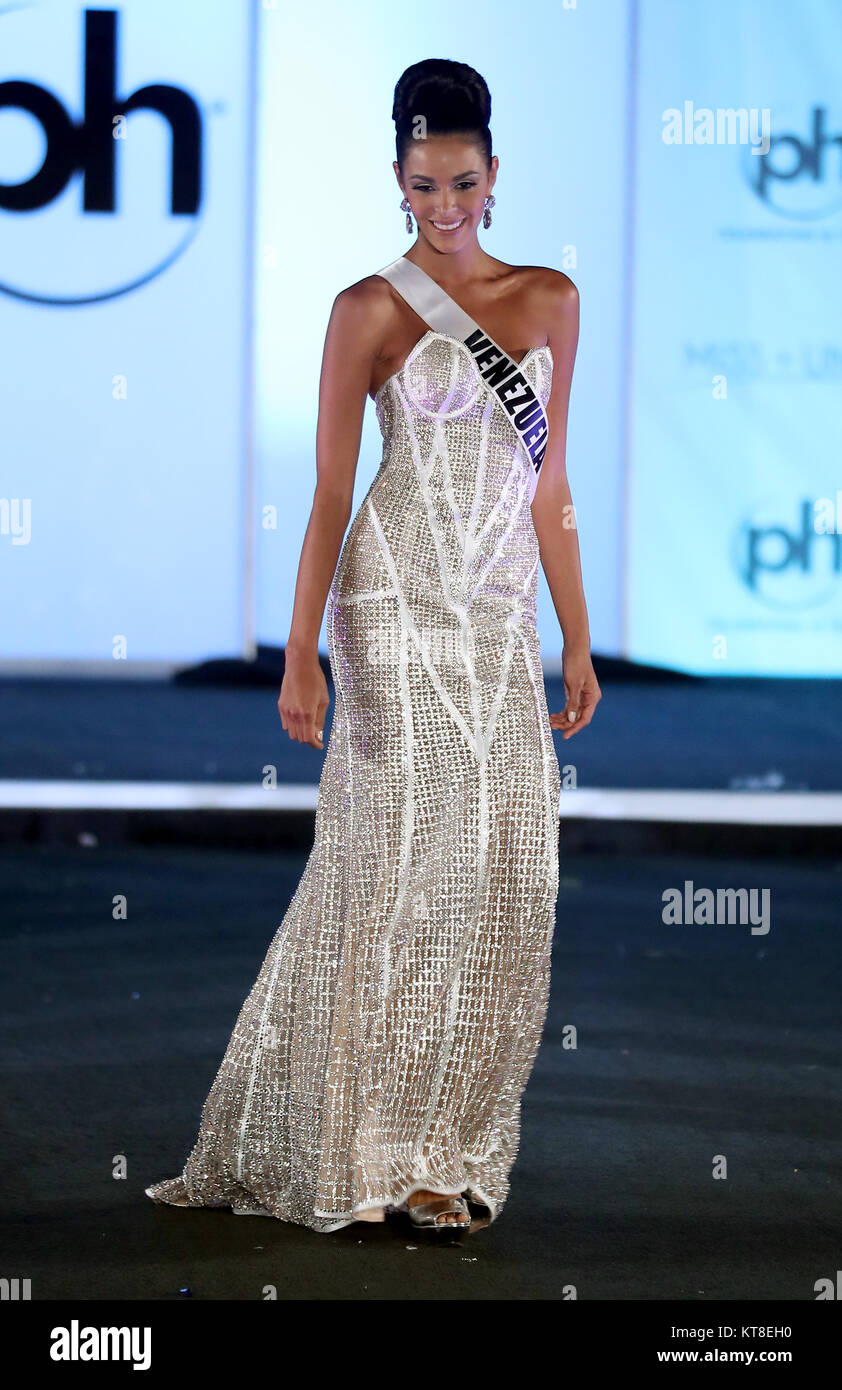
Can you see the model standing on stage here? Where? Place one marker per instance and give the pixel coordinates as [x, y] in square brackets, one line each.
[379, 1061]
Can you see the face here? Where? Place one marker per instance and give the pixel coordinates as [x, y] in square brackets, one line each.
[446, 180]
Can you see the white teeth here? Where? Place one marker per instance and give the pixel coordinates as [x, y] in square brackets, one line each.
[448, 226]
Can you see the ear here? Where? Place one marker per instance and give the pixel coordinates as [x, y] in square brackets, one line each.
[397, 170]
[492, 172]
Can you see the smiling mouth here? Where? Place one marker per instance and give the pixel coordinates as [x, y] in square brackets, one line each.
[448, 226]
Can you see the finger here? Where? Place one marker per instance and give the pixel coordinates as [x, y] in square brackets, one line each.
[570, 714]
[564, 719]
[582, 707]
[573, 709]
[296, 727]
[562, 724]
[585, 715]
[315, 727]
[319, 723]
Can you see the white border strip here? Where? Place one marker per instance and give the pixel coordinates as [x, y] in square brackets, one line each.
[703, 807]
[156, 796]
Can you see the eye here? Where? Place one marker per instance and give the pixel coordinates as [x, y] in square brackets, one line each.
[428, 187]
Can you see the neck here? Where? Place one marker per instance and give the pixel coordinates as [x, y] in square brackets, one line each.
[449, 267]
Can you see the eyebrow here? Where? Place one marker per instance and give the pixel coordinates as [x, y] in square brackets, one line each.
[455, 178]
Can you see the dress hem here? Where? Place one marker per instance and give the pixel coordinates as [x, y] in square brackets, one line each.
[390, 1205]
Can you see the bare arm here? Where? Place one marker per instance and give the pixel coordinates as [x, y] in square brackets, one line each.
[352, 341]
[554, 517]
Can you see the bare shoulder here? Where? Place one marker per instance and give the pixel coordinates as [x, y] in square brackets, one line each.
[553, 288]
[554, 303]
[549, 302]
[366, 308]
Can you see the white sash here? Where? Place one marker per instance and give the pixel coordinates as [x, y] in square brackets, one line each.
[498, 370]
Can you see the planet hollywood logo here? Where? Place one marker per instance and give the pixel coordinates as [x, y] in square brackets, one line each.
[800, 175]
[49, 260]
[790, 567]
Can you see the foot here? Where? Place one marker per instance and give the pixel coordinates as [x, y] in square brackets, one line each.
[450, 1218]
[371, 1214]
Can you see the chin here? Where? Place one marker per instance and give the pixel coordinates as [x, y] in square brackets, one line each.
[444, 241]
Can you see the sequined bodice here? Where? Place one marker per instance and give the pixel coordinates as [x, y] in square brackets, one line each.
[452, 493]
[438, 383]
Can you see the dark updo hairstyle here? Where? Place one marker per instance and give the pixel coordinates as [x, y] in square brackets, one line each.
[453, 99]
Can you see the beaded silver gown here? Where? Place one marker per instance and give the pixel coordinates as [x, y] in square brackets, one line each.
[393, 1025]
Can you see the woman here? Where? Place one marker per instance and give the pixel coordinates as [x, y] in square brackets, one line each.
[379, 1061]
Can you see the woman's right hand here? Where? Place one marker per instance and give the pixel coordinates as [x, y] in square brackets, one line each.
[304, 699]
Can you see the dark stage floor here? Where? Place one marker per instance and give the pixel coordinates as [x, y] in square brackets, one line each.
[692, 1042]
[703, 734]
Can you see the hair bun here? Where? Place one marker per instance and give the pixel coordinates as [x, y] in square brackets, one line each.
[449, 95]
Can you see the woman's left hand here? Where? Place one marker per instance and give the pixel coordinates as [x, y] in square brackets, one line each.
[582, 691]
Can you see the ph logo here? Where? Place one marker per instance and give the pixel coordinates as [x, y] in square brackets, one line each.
[103, 198]
[789, 568]
[800, 177]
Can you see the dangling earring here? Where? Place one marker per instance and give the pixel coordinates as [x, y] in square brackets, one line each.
[489, 204]
[406, 208]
